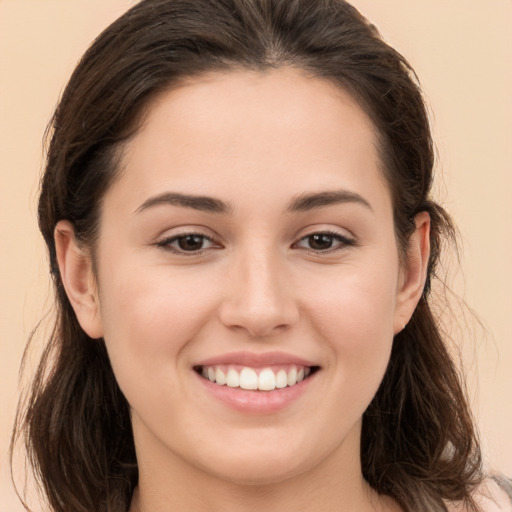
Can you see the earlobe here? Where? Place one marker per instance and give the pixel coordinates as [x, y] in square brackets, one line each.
[414, 272]
[76, 271]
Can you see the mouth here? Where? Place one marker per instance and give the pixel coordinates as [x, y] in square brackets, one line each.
[248, 378]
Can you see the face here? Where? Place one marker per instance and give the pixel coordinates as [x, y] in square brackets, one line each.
[249, 243]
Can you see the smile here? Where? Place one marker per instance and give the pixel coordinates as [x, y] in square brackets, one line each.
[253, 379]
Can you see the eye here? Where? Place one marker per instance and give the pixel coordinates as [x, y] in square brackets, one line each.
[187, 243]
[324, 242]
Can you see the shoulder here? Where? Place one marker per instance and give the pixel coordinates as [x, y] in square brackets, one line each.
[493, 495]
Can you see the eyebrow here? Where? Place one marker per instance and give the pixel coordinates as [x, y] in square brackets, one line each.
[301, 203]
[310, 201]
[201, 203]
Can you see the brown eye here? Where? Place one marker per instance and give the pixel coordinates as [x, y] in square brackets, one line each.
[324, 242]
[320, 241]
[190, 242]
[187, 243]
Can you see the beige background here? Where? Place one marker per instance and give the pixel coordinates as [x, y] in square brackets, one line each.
[462, 51]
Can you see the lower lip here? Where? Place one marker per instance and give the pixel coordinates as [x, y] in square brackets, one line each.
[258, 402]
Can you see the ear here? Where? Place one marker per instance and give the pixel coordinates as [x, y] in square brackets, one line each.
[76, 271]
[414, 272]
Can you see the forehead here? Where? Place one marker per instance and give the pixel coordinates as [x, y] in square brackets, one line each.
[252, 131]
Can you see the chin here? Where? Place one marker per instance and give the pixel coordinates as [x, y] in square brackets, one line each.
[262, 464]
[258, 472]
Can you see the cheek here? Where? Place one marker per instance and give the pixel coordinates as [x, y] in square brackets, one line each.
[354, 316]
[360, 301]
[149, 319]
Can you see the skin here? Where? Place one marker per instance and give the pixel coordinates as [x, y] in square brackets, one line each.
[256, 141]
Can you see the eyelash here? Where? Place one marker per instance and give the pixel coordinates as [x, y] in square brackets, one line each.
[166, 243]
[342, 240]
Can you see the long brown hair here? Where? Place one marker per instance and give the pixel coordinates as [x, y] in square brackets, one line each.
[418, 440]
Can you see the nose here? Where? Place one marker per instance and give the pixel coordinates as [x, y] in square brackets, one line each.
[259, 299]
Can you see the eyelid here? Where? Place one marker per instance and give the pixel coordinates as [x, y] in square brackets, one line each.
[166, 241]
[344, 241]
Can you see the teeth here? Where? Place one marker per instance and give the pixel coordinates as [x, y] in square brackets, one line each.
[220, 377]
[248, 378]
[267, 380]
[233, 378]
[292, 376]
[281, 379]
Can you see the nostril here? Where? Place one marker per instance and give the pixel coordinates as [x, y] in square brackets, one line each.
[258, 324]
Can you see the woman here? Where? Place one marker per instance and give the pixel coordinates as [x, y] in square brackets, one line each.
[236, 205]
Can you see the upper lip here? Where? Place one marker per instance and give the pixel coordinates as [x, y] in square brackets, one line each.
[255, 360]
